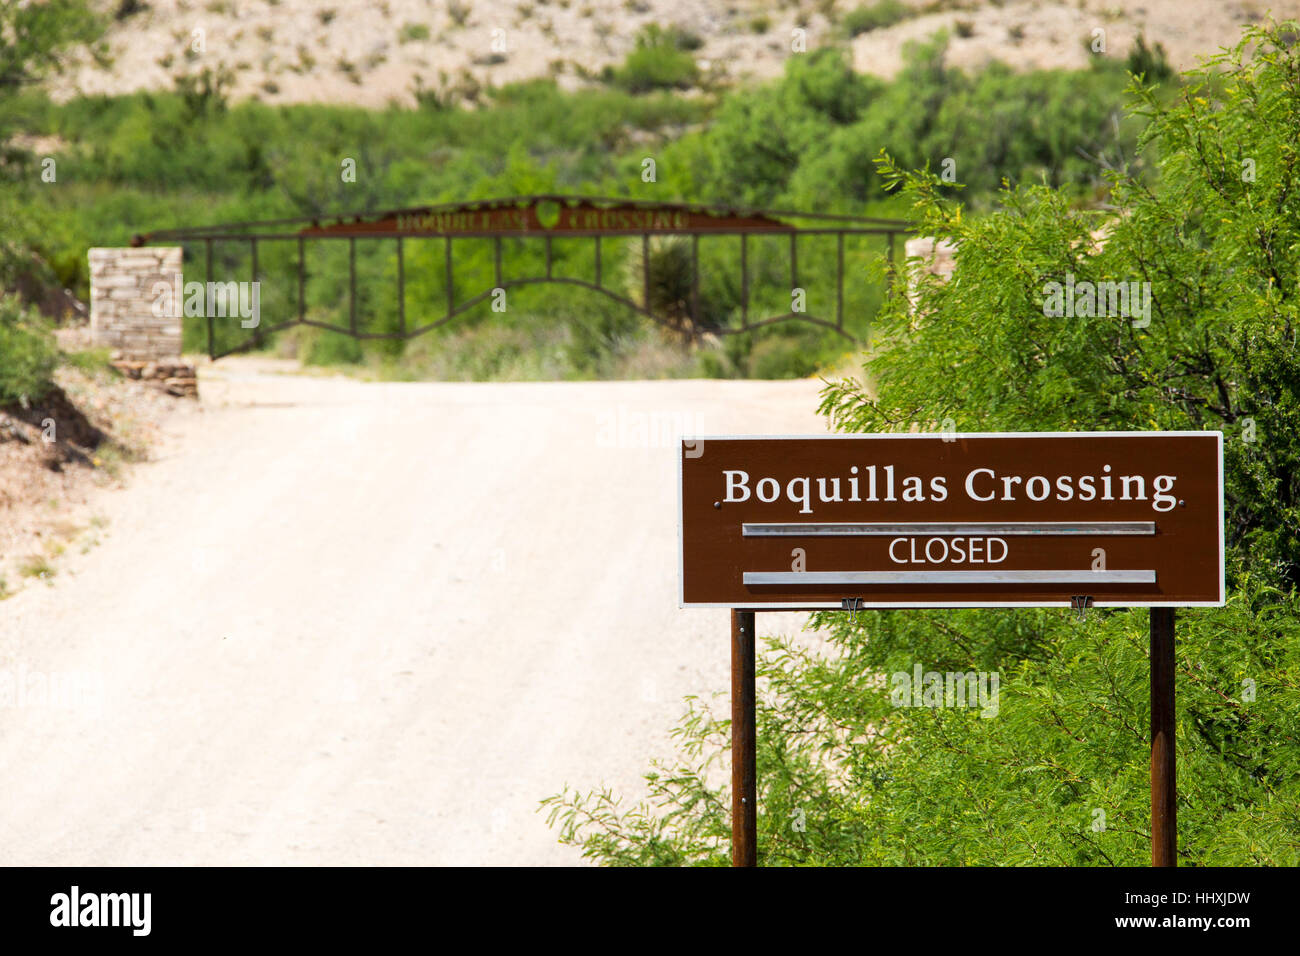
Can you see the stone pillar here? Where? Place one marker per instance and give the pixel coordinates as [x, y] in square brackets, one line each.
[122, 302]
[940, 257]
[937, 259]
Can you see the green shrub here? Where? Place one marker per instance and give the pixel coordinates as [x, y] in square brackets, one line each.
[713, 363]
[412, 32]
[28, 354]
[129, 8]
[781, 357]
[807, 141]
[879, 785]
[874, 16]
[1148, 62]
[661, 61]
[322, 347]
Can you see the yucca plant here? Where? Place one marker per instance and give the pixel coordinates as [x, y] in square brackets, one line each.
[658, 277]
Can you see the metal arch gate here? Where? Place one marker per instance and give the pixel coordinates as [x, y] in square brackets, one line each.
[544, 217]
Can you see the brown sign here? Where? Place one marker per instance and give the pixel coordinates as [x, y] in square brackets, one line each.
[551, 216]
[1127, 519]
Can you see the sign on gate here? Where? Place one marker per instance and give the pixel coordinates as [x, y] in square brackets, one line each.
[1127, 519]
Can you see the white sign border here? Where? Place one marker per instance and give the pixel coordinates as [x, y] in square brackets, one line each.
[947, 438]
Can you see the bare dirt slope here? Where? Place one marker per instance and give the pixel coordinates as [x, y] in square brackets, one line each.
[369, 52]
[345, 623]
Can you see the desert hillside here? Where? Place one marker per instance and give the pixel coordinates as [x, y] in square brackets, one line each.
[371, 52]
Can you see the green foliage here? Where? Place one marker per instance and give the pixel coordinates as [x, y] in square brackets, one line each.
[848, 779]
[685, 820]
[873, 16]
[808, 141]
[411, 32]
[129, 8]
[660, 278]
[1220, 249]
[660, 61]
[665, 272]
[34, 40]
[28, 354]
[1148, 63]
[154, 160]
[1059, 775]
[207, 91]
[787, 356]
[34, 37]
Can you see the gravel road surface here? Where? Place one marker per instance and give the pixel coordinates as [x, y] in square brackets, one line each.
[339, 622]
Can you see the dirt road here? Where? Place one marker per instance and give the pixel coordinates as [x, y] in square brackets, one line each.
[351, 623]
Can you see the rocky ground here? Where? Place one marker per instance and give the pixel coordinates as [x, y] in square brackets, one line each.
[56, 458]
[371, 52]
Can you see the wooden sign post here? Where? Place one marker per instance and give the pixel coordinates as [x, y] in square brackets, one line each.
[1164, 814]
[744, 742]
[1030, 519]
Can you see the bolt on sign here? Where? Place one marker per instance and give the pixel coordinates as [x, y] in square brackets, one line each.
[1126, 519]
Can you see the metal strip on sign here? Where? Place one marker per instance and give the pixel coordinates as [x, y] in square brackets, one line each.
[759, 578]
[938, 528]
